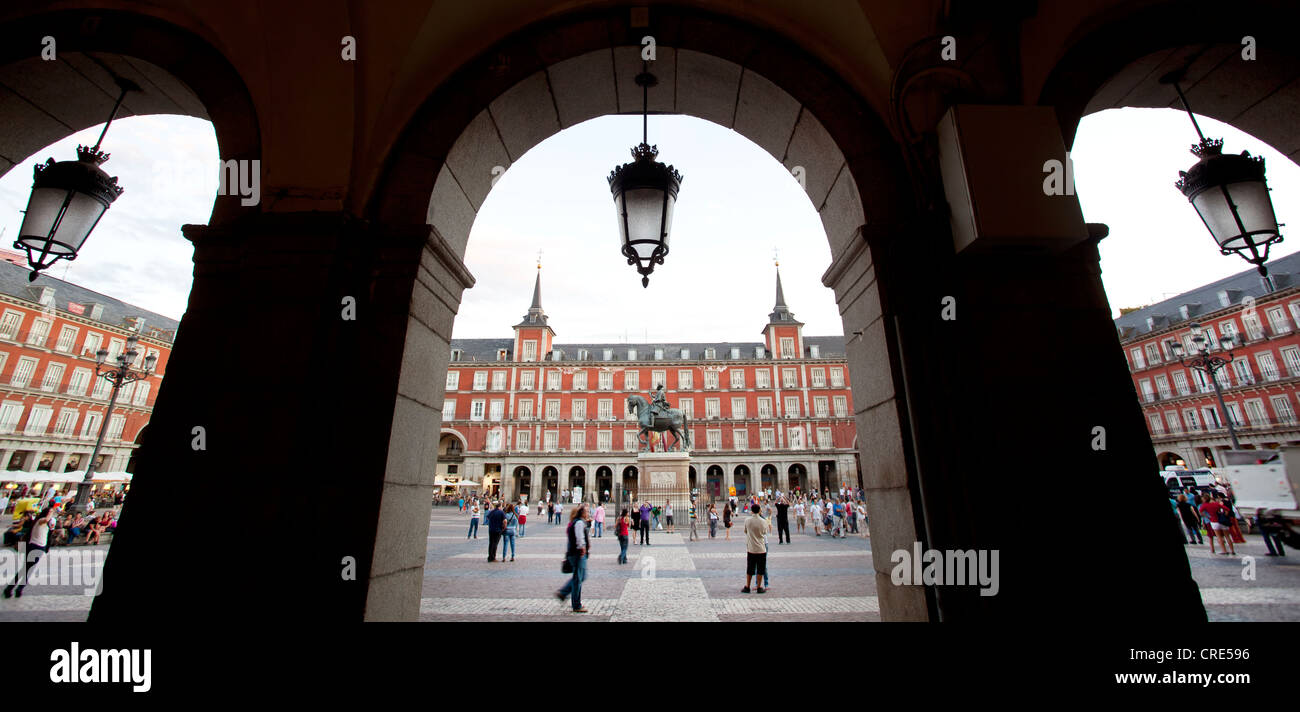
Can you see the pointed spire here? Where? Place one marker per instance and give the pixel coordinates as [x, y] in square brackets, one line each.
[781, 313]
[537, 291]
[535, 316]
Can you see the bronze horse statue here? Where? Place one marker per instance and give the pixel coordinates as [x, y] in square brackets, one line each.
[674, 423]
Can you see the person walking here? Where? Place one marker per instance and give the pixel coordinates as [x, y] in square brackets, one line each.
[713, 521]
[579, 547]
[851, 514]
[509, 532]
[473, 520]
[837, 510]
[599, 518]
[636, 519]
[550, 512]
[496, 521]
[38, 543]
[782, 521]
[815, 513]
[621, 528]
[756, 529]
[559, 513]
[460, 504]
[726, 520]
[645, 523]
[799, 514]
[668, 515]
[695, 535]
[1190, 521]
[522, 512]
[1220, 523]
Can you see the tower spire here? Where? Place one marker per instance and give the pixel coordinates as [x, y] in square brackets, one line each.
[780, 312]
[536, 316]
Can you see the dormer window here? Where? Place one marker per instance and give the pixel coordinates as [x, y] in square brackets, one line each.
[759, 352]
[583, 354]
[735, 353]
[503, 354]
[1151, 323]
[631, 354]
[814, 351]
[609, 354]
[686, 354]
[456, 354]
[1225, 300]
[710, 354]
[659, 354]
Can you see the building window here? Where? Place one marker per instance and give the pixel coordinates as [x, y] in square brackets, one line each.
[684, 381]
[115, 425]
[1175, 425]
[740, 439]
[523, 440]
[1291, 356]
[737, 378]
[819, 407]
[1282, 407]
[67, 339]
[795, 438]
[1189, 415]
[605, 409]
[449, 410]
[527, 380]
[10, 324]
[631, 354]
[552, 410]
[53, 377]
[1267, 366]
[1253, 328]
[1180, 382]
[1228, 329]
[1277, 320]
[1153, 353]
[41, 331]
[735, 351]
[39, 419]
[711, 408]
[687, 406]
[1157, 426]
[604, 440]
[453, 380]
[530, 351]
[819, 378]
[1162, 385]
[498, 380]
[456, 354]
[762, 378]
[67, 424]
[814, 351]
[841, 404]
[525, 410]
[608, 354]
[1241, 367]
[631, 380]
[759, 352]
[580, 409]
[1148, 395]
[580, 380]
[787, 347]
[711, 380]
[553, 380]
[766, 441]
[764, 408]
[23, 373]
[792, 406]
[1138, 361]
[710, 354]
[498, 410]
[577, 441]
[789, 378]
[583, 354]
[605, 381]
[10, 413]
[476, 410]
[480, 380]
[713, 439]
[629, 440]
[1255, 411]
[551, 441]
[658, 378]
[101, 389]
[659, 354]
[494, 440]
[824, 439]
[686, 354]
[738, 408]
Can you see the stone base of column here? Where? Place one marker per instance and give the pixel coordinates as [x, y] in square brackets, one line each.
[665, 477]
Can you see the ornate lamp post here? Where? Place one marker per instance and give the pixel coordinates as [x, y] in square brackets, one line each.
[68, 199]
[1202, 361]
[118, 376]
[645, 192]
[1230, 195]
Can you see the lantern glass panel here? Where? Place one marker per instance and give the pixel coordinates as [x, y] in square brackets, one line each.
[1253, 207]
[82, 214]
[42, 209]
[668, 217]
[645, 207]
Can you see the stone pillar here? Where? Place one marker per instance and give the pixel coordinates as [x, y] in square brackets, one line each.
[316, 290]
[535, 484]
[728, 480]
[589, 490]
[31, 460]
[60, 459]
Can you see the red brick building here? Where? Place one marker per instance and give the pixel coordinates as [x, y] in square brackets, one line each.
[51, 402]
[1261, 388]
[527, 415]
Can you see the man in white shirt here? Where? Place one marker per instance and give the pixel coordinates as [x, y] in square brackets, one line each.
[815, 512]
[756, 530]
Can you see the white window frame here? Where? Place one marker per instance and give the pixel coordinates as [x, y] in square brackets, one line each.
[453, 380]
[527, 380]
[766, 439]
[30, 370]
[480, 380]
[738, 408]
[685, 380]
[530, 350]
[477, 409]
[523, 440]
[499, 380]
[11, 325]
[841, 406]
[67, 339]
[49, 384]
[740, 439]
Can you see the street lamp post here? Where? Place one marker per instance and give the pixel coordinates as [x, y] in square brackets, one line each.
[118, 376]
[1210, 365]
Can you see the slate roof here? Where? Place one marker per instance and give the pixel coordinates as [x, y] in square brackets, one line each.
[1285, 272]
[13, 282]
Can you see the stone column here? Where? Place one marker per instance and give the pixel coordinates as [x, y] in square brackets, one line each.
[60, 459]
[313, 291]
[31, 460]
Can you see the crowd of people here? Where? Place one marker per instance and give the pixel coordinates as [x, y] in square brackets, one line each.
[1209, 513]
[37, 531]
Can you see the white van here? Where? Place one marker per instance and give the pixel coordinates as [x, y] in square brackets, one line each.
[1178, 477]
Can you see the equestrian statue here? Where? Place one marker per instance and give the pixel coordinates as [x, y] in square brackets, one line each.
[656, 415]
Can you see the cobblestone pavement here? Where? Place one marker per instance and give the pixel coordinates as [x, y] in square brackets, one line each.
[813, 579]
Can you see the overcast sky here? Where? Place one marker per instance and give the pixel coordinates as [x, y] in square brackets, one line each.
[737, 206]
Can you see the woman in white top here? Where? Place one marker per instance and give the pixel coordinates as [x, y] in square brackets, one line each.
[37, 545]
[473, 521]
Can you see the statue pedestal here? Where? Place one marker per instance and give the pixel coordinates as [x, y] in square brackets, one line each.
[665, 477]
